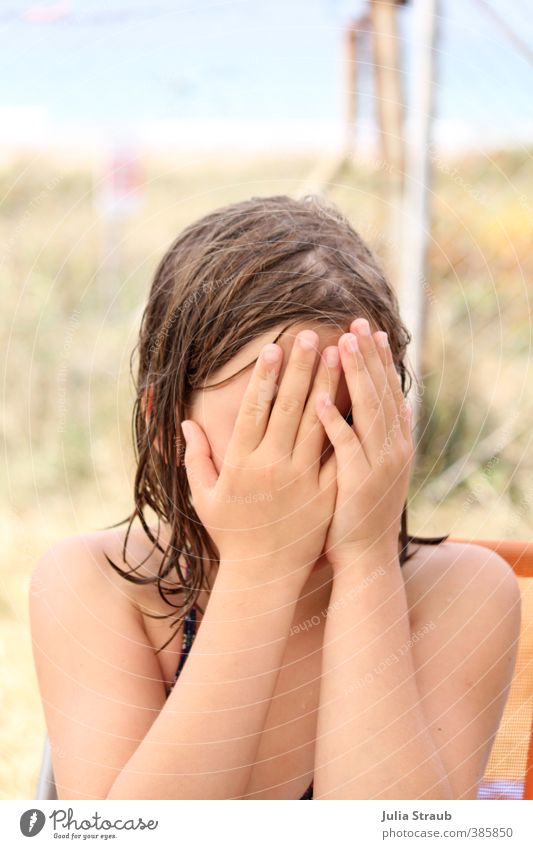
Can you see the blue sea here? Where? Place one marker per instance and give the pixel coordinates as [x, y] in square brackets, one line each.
[246, 73]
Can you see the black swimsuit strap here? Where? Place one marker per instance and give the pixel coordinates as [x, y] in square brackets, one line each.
[189, 631]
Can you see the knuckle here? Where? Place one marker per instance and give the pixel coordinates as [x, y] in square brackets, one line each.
[399, 456]
[300, 364]
[355, 361]
[253, 407]
[268, 471]
[311, 419]
[344, 437]
[373, 402]
[287, 404]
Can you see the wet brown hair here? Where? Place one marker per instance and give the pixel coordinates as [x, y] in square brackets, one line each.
[226, 279]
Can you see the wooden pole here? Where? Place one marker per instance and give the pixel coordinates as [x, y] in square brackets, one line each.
[389, 100]
[328, 168]
[390, 118]
[350, 84]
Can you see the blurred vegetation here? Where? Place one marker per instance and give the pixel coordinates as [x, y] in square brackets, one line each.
[74, 285]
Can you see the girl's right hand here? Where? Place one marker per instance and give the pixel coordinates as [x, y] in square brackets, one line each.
[272, 503]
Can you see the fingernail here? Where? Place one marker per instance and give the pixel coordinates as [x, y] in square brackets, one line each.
[271, 353]
[350, 341]
[382, 338]
[324, 400]
[363, 326]
[307, 339]
[332, 357]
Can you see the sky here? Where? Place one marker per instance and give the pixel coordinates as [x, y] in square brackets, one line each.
[243, 74]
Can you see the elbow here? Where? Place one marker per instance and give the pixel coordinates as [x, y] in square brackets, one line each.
[441, 789]
[118, 792]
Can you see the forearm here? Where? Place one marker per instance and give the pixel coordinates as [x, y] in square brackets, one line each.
[372, 739]
[204, 742]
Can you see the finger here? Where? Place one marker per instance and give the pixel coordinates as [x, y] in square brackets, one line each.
[368, 347]
[201, 472]
[290, 400]
[402, 406]
[328, 472]
[252, 418]
[346, 444]
[310, 437]
[368, 417]
[381, 341]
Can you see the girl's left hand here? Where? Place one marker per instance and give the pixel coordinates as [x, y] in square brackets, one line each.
[374, 456]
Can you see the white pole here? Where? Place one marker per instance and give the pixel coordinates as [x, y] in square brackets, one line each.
[416, 221]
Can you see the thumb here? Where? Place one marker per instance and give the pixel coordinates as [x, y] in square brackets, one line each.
[201, 472]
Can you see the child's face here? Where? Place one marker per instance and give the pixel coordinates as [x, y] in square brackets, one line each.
[215, 410]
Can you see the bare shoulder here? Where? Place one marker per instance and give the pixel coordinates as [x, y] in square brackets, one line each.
[456, 579]
[74, 588]
[87, 561]
[79, 581]
[465, 617]
[100, 680]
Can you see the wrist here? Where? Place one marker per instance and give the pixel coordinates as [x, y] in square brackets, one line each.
[252, 577]
[360, 556]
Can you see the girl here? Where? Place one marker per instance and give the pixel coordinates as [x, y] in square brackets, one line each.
[315, 652]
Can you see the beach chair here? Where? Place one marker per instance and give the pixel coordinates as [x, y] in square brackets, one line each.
[509, 772]
[46, 788]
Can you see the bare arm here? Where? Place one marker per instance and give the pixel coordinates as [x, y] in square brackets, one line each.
[397, 721]
[373, 740]
[417, 698]
[112, 731]
[372, 736]
[204, 742]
